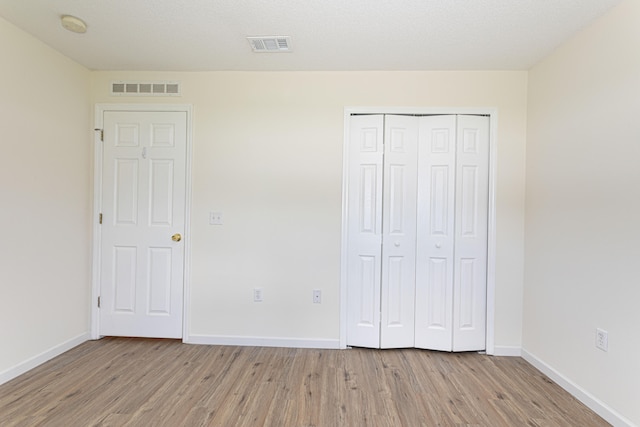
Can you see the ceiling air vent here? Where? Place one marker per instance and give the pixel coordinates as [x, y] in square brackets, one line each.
[270, 44]
[142, 88]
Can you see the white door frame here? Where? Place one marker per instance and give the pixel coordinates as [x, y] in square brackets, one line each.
[491, 237]
[100, 109]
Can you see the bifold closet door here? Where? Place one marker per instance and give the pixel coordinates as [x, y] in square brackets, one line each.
[451, 266]
[364, 230]
[381, 231]
[436, 228]
[417, 231]
[397, 304]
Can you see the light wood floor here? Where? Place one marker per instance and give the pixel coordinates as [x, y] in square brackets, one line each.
[144, 382]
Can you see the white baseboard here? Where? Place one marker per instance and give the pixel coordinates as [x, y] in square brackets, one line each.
[507, 350]
[262, 341]
[596, 405]
[27, 365]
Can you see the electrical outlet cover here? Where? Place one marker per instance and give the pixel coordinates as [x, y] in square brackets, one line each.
[602, 339]
[215, 218]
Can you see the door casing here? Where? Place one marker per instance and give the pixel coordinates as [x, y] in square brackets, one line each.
[97, 197]
[491, 236]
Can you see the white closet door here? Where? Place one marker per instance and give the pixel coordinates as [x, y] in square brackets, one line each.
[364, 230]
[436, 231]
[417, 210]
[397, 327]
[472, 199]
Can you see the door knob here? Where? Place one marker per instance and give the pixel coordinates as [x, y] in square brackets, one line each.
[438, 245]
[176, 237]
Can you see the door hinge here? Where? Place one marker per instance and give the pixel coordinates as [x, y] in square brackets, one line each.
[102, 135]
[100, 218]
[98, 302]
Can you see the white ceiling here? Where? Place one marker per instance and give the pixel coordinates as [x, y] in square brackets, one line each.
[199, 35]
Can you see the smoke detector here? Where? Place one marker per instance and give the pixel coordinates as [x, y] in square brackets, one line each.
[73, 24]
[270, 44]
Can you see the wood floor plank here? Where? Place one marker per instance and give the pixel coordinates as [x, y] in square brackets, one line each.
[144, 382]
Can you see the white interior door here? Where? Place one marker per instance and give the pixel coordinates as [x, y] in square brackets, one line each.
[398, 232]
[143, 221]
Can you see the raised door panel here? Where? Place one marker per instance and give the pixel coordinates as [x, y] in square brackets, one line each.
[436, 232]
[125, 194]
[399, 232]
[364, 230]
[161, 189]
[162, 135]
[124, 278]
[159, 277]
[367, 288]
[472, 198]
[369, 200]
[126, 135]
[394, 304]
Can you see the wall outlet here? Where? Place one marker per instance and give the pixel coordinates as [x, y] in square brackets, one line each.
[602, 339]
[317, 296]
[257, 294]
[215, 218]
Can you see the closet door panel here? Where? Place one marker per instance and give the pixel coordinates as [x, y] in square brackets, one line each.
[471, 216]
[364, 230]
[399, 232]
[435, 230]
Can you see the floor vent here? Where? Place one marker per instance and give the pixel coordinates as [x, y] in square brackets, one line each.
[138, 88]
[270, 44]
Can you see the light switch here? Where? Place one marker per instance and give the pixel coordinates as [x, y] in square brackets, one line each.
[215, 218]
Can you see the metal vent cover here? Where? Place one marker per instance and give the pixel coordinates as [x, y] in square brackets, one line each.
[145, 88]
[270, 44]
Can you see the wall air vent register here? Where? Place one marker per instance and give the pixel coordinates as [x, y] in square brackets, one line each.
[145, 88]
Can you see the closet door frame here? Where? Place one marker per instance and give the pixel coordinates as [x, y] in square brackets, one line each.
[491, 236]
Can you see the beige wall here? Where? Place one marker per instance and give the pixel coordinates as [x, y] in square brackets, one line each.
[582, 251]
[268, 154]
[45, 198]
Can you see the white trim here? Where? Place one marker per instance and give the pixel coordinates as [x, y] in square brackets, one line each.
[507, 350]
[96, 236]
[97, 197]
[262, 341]
[596, 405]
[491, 242]
[186, 295]
[491, 232]
[343, 232]
[35, 361]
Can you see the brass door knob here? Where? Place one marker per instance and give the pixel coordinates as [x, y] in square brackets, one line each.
[176, 237]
